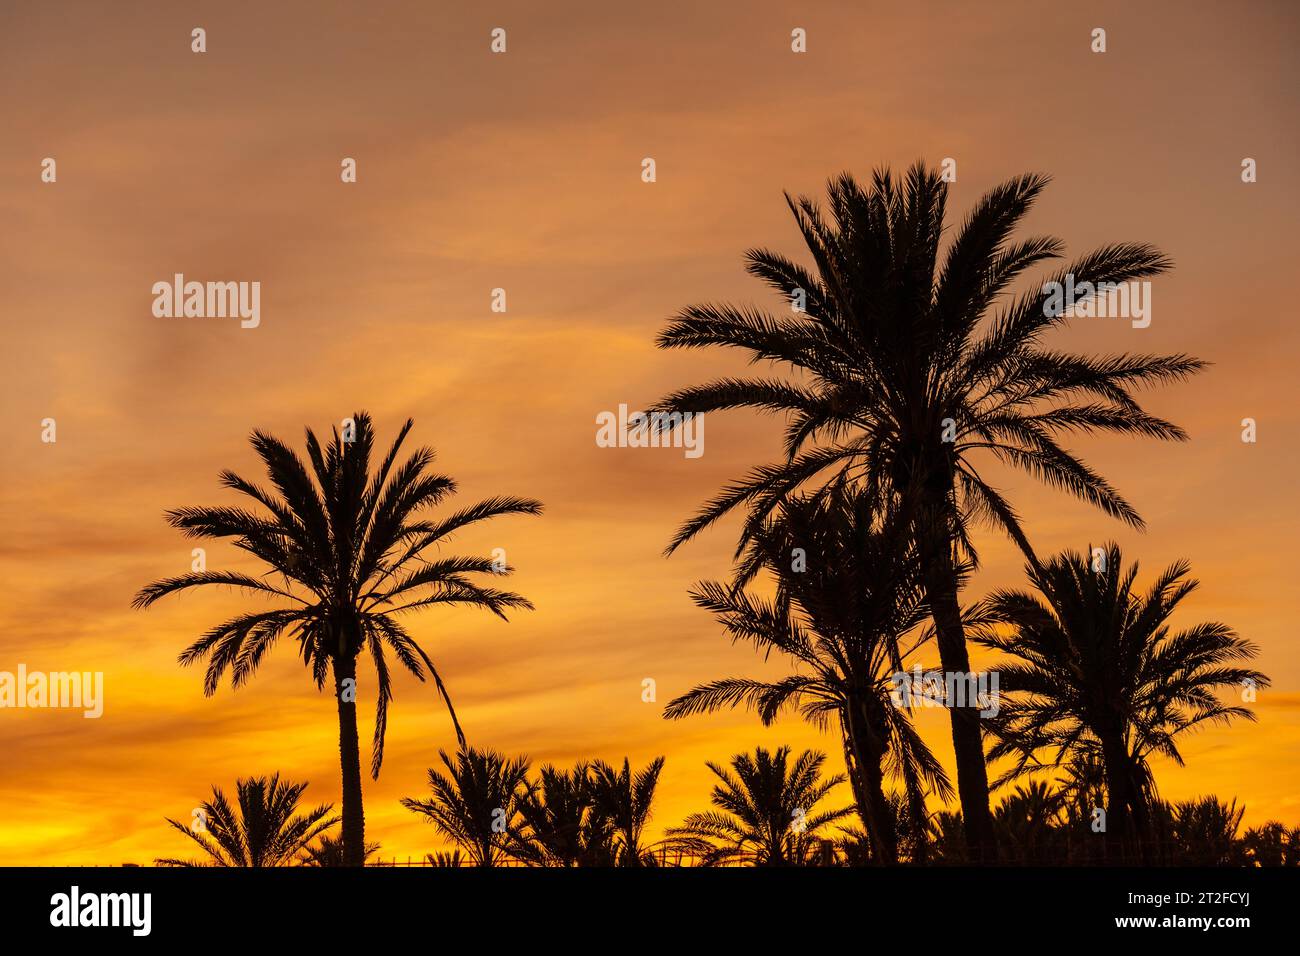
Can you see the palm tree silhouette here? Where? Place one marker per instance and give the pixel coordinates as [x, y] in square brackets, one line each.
[911, 365]
[264, 830]
[1029, 824]
[947, 838]
[445, 861]
[351, 553]
[1272, 844]
[1098, 674]
[476, 805]
[329, 853]
[561, 824]
[766, 811]
[1203, 831]
[623, 801]
[841, 619]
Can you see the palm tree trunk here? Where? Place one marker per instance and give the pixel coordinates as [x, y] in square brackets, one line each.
[919, 819]
[851, 764]
[884, 837]
[1126, 816]
[867, 755]
[354, 821]
[967, 744]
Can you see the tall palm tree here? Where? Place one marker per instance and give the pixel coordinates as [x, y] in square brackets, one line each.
[766, 812]
[350, 552]
[1097, 673]
[561, 824]
[841, 616]
[476, 805]
[265, 829]
[624, 802]
[916, 367]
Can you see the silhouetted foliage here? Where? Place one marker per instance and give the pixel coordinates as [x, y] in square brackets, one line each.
[766, 811]
[1098, 676]
[476, 804]
[329, 852]
[911, 365]
[262, 829]
[624, 800]
[351, 551]
[847, 623]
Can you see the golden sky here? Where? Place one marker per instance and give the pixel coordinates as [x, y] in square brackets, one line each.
[522, 171]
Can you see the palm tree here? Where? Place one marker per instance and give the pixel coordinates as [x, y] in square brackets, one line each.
[561, 824]
[840, 616]
[910, 367]
[265, 830]
[1272, 844]
[476, 805]
[351, 552]
[947, 838]
[1204, 831]
[1030, 826]
[766, 811]
[623, 802]
[329, 853]
[1098, 674]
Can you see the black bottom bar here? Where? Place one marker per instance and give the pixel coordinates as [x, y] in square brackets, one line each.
[964, 906]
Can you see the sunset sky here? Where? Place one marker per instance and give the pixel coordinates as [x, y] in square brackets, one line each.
[522, 171]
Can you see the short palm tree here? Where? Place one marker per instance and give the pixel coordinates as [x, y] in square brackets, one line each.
[1204, 832]
[1272, 844]
[623, 802]
[766, 810]
[476, 804]
[350, 552]
[264, 830]
[914, 367]
[847, 616]
[1095, 672]
[947, 838]
[1029, 824]
[561, 825]
[329, 853]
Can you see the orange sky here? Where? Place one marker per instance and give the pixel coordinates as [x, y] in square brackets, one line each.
[522, 171]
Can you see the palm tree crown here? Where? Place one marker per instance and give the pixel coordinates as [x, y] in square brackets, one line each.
[766, 812]
[1098, 674]
[349, 552]
[847, 613]
[476, 804]
[912, 363]
[624, 800]
[561, 822]
[264, 829]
